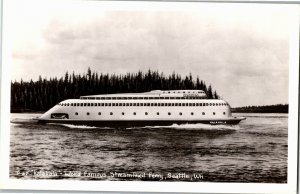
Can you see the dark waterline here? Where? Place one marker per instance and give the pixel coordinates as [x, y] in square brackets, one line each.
[253, 151]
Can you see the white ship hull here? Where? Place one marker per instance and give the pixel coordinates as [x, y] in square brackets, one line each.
[140, 112]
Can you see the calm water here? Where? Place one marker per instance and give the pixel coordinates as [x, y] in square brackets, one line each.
[253, 151]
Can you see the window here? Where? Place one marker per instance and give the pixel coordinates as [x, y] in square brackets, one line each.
[214, 113]
[224, 113]
[113, 104]
[157, 113]
[81, 104]
[76, 113]
[99, 113]
[180, 113]
[134, 113]
[192, 113]
[146, 113]
[87, 113]
[134, 98]
[203, 113]
[71, 104]
[150, 98]
[84, 104]
[169, 113]
[111, 113]
[123, 113]
[134, 104]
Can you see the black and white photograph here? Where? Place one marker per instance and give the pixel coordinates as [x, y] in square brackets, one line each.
[181, 94]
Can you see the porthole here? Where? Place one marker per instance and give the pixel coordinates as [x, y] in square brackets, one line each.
[169, 113]
[214, 113]
[192, 113]
[224, 113]
[134, 113]
[123, 113]
[203, 113]
[99, 113]
[146, 113]
[157, 113]
[111, 113]
[87, 113]
[180, 113]
[76, 113]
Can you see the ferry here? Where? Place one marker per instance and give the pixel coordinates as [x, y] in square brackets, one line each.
[154, 108]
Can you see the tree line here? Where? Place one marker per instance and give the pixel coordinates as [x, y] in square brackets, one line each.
[43, 94]
[277, 108]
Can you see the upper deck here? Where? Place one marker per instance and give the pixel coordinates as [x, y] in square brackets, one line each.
[154, 94]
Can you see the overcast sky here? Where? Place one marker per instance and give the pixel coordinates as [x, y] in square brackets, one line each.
[241, 50]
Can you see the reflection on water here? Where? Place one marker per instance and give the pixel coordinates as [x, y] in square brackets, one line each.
[253, 151]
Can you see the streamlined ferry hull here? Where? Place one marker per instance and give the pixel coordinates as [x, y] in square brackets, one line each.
[140, 123]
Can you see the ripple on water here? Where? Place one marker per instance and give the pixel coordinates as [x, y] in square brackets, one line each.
[253, 151]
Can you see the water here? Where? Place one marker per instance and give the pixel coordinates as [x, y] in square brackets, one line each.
[253, 151]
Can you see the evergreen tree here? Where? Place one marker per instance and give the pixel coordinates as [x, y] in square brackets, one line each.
[44, 94]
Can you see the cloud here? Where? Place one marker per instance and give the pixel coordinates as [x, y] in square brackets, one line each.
[233, 51]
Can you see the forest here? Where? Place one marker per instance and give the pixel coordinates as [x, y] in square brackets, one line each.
[41, 95]
[277, 108]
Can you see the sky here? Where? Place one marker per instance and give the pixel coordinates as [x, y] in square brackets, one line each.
[242, 50]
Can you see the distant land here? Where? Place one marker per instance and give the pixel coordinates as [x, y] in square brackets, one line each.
[277, 108]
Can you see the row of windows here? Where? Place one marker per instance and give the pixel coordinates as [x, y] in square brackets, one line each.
[143, 104]
[193, 92]
[141, 98]
[146, 113]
